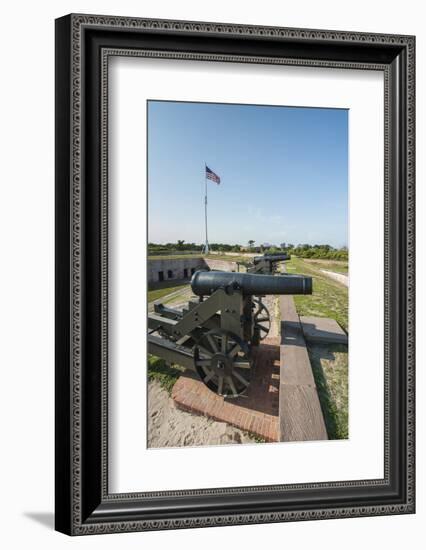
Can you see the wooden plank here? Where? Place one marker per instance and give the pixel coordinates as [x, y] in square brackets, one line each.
[294, 359]
[301, 417]
[295, 364]
[322, 330]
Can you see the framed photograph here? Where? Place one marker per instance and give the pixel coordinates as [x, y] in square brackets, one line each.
[234, 274]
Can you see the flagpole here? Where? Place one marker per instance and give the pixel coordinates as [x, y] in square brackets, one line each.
[206, 246]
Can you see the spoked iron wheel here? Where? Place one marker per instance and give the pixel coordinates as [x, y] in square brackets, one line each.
[262, 319]
[222, 361]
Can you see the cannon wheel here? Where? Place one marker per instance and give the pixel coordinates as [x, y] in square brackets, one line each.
[262, 319]
[222, 360]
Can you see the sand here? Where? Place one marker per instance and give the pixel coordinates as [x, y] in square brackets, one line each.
[168, 426]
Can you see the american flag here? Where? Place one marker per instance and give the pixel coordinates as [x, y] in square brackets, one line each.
[210, 175]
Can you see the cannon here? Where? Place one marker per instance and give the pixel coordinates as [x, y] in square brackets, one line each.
[267, 263]
[271, 258]
[204, 283]
[215, 333]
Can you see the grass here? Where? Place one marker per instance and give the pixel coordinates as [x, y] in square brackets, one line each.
[330, 368]
[330, 265]
[159, 290]
[256, 438]
[329, 298]
[164, 374]
[174, 256]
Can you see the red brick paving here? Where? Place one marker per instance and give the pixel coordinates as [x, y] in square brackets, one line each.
[256, 412]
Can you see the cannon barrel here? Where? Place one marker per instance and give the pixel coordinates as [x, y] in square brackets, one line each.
[204, 283]
[271, 258]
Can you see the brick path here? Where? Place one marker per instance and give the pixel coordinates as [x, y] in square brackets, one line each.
[257, 412]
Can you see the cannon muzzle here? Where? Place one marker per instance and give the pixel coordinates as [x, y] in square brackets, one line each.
[204, 283]
[273, 258]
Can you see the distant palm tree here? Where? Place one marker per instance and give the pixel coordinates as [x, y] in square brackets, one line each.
[251, 243]
[180, 245]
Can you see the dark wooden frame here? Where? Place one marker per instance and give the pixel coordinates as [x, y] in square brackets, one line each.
[83, 46]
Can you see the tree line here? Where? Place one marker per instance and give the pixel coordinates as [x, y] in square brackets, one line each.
[305, 250]
[316, 251]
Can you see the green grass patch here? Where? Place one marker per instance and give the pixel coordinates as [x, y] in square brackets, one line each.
[330, 265]
[174, 256]
[163, 290]
[255, 438]
[164, 374]
[328, 299]
[337, 268]
[330, 368]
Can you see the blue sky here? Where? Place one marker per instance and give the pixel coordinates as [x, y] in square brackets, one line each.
[283, 170]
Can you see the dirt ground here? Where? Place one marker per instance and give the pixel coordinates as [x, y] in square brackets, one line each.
[168, 426]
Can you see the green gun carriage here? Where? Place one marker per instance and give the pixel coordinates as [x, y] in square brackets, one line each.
[215, 333]
[267, 263]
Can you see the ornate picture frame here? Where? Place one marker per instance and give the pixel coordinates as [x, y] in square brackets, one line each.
[84, 43]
